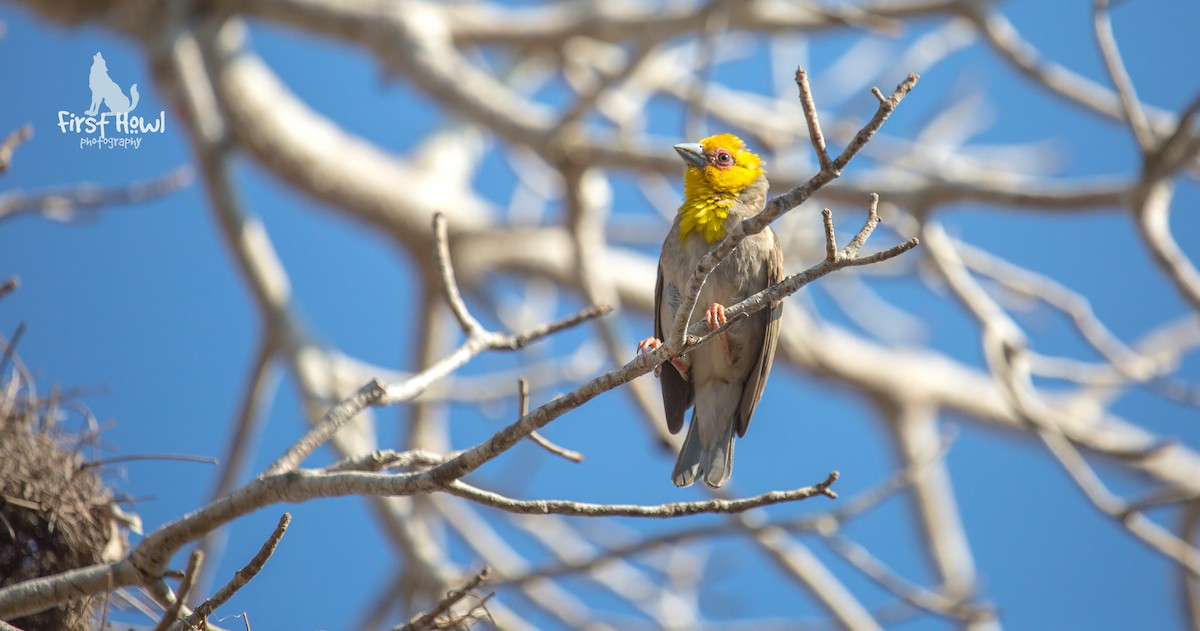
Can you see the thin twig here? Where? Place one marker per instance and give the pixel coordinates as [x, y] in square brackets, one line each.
[815, 135]
[830, 238]
[241, 577]
[242, 443]
[582, 509]
[104, 462]
[525, 338]
[10, 352]
[449, 284]
[535, 436]
[195, 560]
[860, 239]
[829, 522]
[1135, 116]
[334, 419]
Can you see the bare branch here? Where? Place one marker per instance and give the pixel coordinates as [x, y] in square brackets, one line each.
[523, 409]
[1135, 116]
[1005, 349]
[449, 285]
[1153, 211]
[810, 116]
[582, 509]
[1006, 40]
[830, 238]
[241, 577]
[68, 204]
[565, 238]
[334, 419]
[777, 206]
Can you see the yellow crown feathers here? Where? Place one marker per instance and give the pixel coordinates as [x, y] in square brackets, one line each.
[710, 191]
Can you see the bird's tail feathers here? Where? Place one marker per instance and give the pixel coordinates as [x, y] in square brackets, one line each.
[687, 465]
[712, 463]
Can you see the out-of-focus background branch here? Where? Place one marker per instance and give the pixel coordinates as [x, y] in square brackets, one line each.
[1012, 406]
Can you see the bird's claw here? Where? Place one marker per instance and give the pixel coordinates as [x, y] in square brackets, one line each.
[651, 344]
[715, 316]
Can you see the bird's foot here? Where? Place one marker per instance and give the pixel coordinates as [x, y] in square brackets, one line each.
[715, 316]
[649, 345]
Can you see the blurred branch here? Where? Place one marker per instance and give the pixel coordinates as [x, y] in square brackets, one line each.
[10, 284]
[70, 203]
[933, 601]
[914, 426]
[485, 67]
[185, 587]
[1006, 40]
[429, 619]
[1006, 352]
[10, 144]
[1153, 212]
[1131, 108]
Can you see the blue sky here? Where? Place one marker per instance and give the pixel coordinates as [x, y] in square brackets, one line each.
[141, 306]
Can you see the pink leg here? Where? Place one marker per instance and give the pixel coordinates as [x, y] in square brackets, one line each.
[682, 365]
[651, 344]
[715, 316]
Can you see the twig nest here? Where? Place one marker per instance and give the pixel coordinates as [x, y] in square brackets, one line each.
[55, 513]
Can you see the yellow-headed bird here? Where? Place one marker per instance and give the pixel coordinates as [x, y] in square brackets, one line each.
[724, 184]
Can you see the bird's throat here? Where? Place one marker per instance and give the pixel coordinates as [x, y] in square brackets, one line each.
[705, 215]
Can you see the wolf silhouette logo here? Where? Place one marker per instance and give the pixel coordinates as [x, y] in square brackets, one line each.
[106, 91]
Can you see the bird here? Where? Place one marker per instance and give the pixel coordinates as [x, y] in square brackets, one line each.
[723, 184]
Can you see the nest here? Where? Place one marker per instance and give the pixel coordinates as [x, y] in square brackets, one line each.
[56, 513]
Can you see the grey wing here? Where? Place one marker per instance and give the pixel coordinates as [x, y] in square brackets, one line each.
[677, 392]
[771, 319]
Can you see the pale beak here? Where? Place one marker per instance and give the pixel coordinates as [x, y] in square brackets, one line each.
[692, 153]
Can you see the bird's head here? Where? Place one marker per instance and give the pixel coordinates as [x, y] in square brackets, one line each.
[718, 164]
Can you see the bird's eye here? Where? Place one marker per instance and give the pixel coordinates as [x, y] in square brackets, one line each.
[723, 158]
